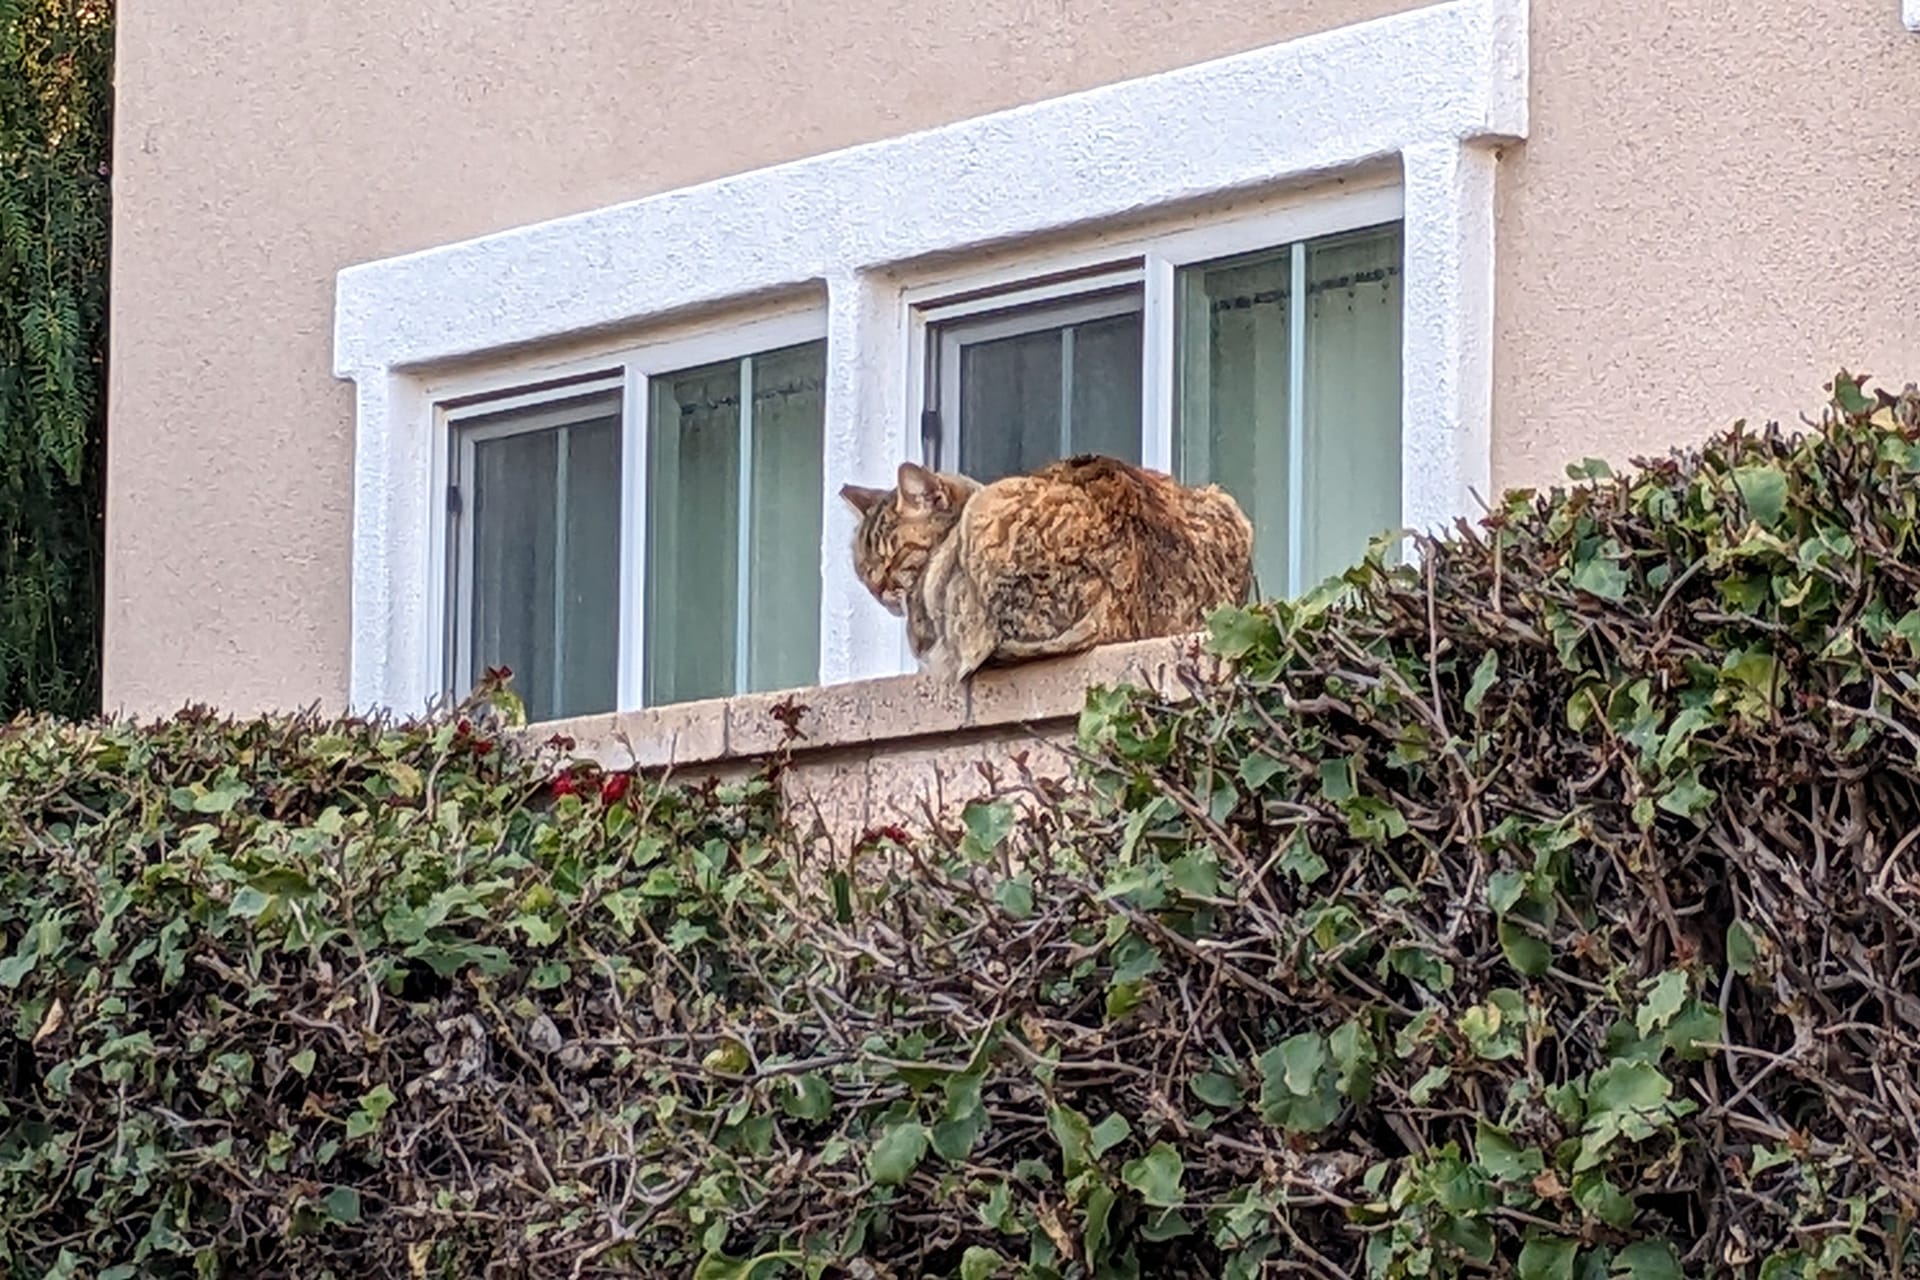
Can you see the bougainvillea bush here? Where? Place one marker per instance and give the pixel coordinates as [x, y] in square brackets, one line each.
[1546, 905]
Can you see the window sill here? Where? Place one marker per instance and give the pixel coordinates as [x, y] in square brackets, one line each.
[866, 714]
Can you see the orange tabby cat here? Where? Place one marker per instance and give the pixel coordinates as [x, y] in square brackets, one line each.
[1085, 551]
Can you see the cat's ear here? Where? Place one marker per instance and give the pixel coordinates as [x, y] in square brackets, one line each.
[862, 499]
[920, 489]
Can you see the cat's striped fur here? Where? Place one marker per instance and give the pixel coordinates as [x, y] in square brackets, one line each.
[1086, 551]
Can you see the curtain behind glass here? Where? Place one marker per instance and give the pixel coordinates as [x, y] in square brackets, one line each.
[1236, 332]
[1352, 462]
[1029, 399]
[693, 493]
[696, 638]
[789, 417]
[1232, 424]
[545, 564]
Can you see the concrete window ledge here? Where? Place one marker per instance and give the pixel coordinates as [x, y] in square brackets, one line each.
[887, 750]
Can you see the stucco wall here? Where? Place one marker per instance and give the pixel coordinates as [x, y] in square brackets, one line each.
[1676, 246]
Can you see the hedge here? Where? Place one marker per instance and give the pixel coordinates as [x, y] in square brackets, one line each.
[1546, 906]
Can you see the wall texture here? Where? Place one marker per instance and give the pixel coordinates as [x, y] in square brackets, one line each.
[1682, 237]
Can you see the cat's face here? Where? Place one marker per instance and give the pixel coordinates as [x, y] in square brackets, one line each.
[900, 527]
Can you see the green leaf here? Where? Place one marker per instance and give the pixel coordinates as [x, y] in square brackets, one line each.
[1542, 1258]
[808, 1097]
[1602, 576]
[1258, 770]
[1074, 1134]
[987, 825]
[1298, 1089]
[1220, 1092]
[1764, 489]
[1197, 875]
[1662, 1002]
[1429, 1084]
[1523, 949]
[1596, 1195]
[248, 903]
[1484, 676]
[897, 1154]
[1506, 888]
[223, 797]
[343, 1205]
[1499, 1155]
[1015, 897]
[1109, 1133]
[302, 1062]
[1741, 951]
[1094, 1225]
[1336, 779]
[1648, 1260]
[1156, 1176]
[1301, 862]
[718, 1266]
[1233, 633]
[980, 1263]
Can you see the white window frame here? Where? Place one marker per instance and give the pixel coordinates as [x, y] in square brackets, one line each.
[629, 370]
[1029, 310]
[1152, 262]
[1432, 92]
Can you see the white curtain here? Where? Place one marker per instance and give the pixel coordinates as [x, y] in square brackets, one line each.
[1029, 399]
[1236, 332]
[1352, 454]
[789, 441]
[693, 499]
[545, 512]
[699, 643]
[1234, 419]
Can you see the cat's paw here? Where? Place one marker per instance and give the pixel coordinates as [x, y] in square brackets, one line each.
[943, 664]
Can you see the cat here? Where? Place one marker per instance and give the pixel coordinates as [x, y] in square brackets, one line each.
[1085, 551]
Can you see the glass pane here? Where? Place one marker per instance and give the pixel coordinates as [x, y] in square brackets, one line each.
[1009, 404]
[693, 488]
[1234, 388]
[1033, 397]
[1235, 336]
[1352, 481]
[545, 566]
[1105, 396]
[783, 610]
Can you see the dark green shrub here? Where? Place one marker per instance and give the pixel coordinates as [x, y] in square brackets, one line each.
[1549, 908]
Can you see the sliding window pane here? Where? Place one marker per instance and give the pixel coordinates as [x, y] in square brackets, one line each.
[1352, 482]
[693, 503]
[734, 491]
[783, 609]
[543, 554]
[1237, 399]
[1236, 334]
[1048, 392]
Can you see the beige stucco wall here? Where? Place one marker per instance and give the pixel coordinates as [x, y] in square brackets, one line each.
[1676, 243]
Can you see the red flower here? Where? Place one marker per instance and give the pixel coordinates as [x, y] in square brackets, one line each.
[613, 788]
[564, 784]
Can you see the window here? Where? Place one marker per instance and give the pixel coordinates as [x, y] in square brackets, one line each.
[1289, 397]
[1273, 269]
[536, 578]
[733, 527]
[1022, 383]
[1283, 363]
[712, 472]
